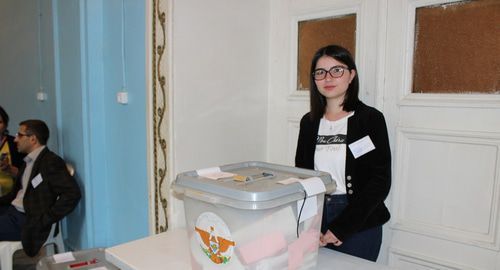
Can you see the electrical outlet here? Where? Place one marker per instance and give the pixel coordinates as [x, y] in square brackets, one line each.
[122, 97]
[41, 96]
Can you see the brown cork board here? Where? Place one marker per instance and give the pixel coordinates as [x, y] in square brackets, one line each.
[314, 34]
[457, 48]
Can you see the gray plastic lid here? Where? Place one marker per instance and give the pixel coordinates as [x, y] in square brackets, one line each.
[261, 190]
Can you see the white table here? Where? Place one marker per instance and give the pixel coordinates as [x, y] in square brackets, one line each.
[170, 250]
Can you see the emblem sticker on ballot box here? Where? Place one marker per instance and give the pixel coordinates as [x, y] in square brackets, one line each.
[214, 238]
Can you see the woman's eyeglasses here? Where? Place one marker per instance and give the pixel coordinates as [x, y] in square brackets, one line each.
[336, 72]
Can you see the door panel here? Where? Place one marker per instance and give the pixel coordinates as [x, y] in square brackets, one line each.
[446, 163]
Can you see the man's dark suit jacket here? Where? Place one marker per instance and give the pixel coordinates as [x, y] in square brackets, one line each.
[369, 175]
[50, 201]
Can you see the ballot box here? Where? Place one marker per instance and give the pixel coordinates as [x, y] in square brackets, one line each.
[253, 215]
[91, 259]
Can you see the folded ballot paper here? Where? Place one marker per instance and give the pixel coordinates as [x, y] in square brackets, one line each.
[255, 245]
[279, 248]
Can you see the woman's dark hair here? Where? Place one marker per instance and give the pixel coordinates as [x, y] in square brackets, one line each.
[318, 101]
[5, 119]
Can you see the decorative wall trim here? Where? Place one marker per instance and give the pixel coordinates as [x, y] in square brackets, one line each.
[402, 258]
[160, 110]
[490, 237]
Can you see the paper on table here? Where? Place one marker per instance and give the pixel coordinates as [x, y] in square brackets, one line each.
[64, 257]
[289, 181]
[99, 268]
[214, 173]
[219, 175]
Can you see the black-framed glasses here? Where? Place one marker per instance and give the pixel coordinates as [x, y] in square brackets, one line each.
[335, 71]
[20, 134]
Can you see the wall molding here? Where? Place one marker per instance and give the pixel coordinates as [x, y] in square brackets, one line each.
[396, 256]
[491, 238]
[451, 100]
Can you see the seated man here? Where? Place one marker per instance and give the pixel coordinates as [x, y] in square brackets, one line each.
[44, 192]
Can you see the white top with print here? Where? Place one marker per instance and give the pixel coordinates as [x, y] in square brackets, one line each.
[331, 150]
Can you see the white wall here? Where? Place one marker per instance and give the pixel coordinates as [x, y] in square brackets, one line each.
[219, 84]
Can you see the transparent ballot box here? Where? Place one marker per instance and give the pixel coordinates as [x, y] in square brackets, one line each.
[79, 260]
[252, 215]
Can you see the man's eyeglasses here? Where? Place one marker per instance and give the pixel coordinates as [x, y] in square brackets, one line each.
[19, 134]
[336, 72]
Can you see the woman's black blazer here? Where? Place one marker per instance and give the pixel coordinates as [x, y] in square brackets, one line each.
[368, 178]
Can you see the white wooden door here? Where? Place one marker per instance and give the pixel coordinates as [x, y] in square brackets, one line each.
[445, 202]
[286, 103]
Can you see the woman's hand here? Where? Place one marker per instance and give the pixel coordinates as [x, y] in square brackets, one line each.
[8, 169]
[4, 165]
[327, 238]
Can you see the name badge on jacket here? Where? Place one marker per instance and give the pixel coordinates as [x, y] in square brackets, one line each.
[36, 181]
[361, 146]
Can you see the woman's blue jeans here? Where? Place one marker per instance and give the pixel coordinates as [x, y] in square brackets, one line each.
[364, 244]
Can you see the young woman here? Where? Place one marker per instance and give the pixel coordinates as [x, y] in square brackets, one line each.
[343, 136]
[10, 158]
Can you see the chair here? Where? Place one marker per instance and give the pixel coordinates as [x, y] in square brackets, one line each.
[8, 248]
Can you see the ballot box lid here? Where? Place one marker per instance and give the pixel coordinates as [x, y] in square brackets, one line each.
[249, 185]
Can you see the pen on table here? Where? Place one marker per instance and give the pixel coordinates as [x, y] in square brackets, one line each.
[84, 263]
